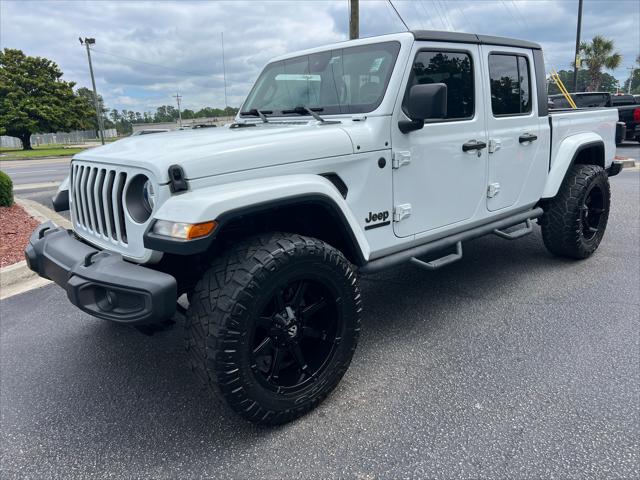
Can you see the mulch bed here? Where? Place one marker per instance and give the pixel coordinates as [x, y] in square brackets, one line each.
[15, 228]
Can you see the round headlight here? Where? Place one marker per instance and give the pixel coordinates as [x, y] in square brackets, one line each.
[148, 196]
[140, 198]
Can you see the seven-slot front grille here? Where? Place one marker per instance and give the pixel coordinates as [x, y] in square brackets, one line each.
[97, 198]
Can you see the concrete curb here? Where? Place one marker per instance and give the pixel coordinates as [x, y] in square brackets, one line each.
[630, 163]
[18, 278]
[42, 213]
[30, 159]
[14, 273]
[35, 186]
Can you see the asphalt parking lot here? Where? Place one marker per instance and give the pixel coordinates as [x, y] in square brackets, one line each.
[508, 364]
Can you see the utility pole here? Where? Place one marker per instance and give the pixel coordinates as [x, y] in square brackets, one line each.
[86, 42]
[224, 73]
[577, 56]
[177, 96]
[631, 72]
[354, 19]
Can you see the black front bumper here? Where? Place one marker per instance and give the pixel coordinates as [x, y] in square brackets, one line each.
[615, 168]
[99, 282]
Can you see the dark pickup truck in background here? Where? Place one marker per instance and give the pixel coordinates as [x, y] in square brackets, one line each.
[628, 107]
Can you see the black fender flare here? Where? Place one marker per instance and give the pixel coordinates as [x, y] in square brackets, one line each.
[192, 247]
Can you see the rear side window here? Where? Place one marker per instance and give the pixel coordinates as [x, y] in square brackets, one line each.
[455, 70]
[510, 84]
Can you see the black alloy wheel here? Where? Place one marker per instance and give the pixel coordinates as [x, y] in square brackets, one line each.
[592, 210]
[273, 324]
[295, 335]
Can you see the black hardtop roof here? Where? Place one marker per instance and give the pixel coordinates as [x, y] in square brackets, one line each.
[458, 37]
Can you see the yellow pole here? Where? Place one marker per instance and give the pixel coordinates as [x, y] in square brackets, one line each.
[563, 89]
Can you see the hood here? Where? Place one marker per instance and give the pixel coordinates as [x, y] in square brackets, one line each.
[214, 151]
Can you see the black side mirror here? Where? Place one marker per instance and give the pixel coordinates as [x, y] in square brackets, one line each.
[426, 102]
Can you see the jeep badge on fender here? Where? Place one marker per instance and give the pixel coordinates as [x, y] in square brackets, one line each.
[375, 217]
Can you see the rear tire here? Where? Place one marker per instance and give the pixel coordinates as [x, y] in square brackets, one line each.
[575, 220]
[273, 324]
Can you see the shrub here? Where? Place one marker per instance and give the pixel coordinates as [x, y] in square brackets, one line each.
[6, 190]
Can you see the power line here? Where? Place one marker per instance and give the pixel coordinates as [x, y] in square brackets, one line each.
[151, 64]
[435, 8]
[443, 7]
[504, 4]
[520, 15]
[424, 9]
[399, 16]
[466, 19]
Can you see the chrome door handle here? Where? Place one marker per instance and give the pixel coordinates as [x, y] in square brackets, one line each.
[473, 145]
[527, 137]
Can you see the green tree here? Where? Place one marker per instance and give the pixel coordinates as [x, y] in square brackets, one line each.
[165, 113]
[188, 114]
[608, 82]
[599, 54]
[115, 115]
[89, 120]
[34, 98]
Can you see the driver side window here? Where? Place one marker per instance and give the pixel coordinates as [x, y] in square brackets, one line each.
[455, 70]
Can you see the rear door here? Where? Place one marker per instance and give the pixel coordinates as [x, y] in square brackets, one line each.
[512, 123]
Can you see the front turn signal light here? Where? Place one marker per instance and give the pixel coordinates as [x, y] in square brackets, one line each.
[184, 231]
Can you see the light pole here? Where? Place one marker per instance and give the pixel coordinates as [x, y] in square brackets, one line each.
[224, 72]
[354, 19]
[576, 58]
[86, 42]
[631, 72]
[177, 96]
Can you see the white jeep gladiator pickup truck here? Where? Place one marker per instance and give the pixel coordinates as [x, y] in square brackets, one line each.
[344, 160]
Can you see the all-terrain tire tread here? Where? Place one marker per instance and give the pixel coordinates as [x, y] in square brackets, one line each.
[223, 293]
[561, 223]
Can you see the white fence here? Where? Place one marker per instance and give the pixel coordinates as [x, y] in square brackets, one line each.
[10, 142]
[64, 138]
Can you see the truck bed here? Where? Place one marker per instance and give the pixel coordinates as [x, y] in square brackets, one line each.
[569, 122]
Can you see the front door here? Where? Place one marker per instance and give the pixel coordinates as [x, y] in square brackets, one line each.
[440, 171]
[515, 155]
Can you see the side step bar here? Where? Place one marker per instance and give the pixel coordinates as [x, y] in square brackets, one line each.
[526, 230]
[440, 262]
[406, 255]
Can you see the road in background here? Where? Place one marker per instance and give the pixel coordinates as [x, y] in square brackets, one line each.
[36, 171]
[510, 363]
[629, 149]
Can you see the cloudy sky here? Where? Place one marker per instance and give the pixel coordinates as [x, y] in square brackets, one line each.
[148, 51]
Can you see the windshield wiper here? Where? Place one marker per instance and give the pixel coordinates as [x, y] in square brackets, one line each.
[254, 112]
[303, 110]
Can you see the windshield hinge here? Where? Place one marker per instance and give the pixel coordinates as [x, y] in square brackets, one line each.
[401, 158]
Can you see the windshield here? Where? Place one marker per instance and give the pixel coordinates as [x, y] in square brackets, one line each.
[346, 80]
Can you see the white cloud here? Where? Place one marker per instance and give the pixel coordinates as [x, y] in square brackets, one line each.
[176, 45]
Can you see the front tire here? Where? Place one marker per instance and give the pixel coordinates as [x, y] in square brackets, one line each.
[575, 220]
[273, 325]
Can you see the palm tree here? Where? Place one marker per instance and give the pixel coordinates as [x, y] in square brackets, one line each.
[599, 54]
